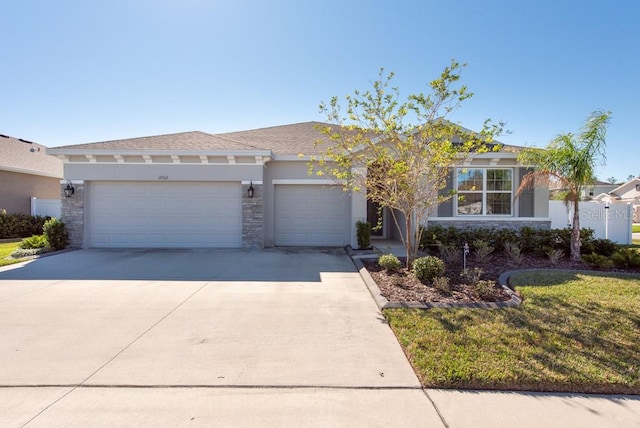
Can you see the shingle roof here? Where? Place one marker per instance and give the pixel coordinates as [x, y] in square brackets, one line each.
[27, 157]
[282, 140]
[194, 140]
[294, 139]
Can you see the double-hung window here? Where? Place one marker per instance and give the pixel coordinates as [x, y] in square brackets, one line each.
[484, 191]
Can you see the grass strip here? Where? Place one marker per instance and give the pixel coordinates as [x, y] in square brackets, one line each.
[575, 332]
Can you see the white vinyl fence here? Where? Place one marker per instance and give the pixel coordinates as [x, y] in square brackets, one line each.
[612, 223]
[45, 207]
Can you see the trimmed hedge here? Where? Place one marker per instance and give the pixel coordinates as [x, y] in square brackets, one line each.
[530, 240]
[14, 226]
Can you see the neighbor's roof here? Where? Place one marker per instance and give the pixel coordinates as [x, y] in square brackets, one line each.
[18, 155]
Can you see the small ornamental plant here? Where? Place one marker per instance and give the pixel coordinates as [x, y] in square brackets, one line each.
[390, 262]
[427, 268]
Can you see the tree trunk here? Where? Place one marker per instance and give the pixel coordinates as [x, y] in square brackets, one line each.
[575, 233]
[409, 242]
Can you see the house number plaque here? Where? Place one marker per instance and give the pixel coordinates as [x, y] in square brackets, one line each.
[163, 177]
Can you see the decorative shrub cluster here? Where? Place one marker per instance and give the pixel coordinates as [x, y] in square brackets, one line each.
[427, 268]
[390, 262]
[626, 258]
[20, 225]
[597, 260]
[527, 239]
[55, 237]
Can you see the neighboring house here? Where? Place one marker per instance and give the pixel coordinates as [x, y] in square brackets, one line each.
[252, 189]
[627, 193]
[26, 171]
[598, 187]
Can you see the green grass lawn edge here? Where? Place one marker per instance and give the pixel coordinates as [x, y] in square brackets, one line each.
[6, 248]
[575, 332]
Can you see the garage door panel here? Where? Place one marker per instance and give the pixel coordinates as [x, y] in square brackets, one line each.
[308, 215]
[166, 215]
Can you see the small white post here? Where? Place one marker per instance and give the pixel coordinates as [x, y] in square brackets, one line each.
[33, 205]
[606, 219]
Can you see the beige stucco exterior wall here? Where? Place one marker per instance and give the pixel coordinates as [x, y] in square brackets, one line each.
[16, 190]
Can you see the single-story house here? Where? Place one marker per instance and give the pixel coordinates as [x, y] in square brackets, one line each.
[26, 171]
[252, 189]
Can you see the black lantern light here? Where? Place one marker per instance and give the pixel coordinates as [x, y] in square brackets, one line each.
[69, 190]
[250, 190]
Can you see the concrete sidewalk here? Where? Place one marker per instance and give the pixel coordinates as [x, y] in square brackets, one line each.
[230, 338]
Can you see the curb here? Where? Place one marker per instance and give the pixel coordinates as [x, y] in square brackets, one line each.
[383, 303]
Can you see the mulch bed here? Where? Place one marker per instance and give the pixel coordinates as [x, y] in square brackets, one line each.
[403, 286]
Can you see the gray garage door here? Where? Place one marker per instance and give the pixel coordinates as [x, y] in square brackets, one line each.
[165, 215]
[311, 215]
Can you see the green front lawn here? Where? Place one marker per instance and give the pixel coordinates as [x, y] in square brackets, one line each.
[575, 332]
[635, 228]
[7, 248]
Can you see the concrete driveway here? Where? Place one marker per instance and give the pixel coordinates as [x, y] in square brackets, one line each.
[200, 338]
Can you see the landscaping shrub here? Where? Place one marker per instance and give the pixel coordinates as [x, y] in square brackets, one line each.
[626, 258]
[484, 289]
[604, 247]
[450, 253]
[482, 250]
[503, 236]
[598, 261]
[36, 241]
[441, 283]
[390, 262]
[513, 251]
[56, 233]
[471, 276]
[19, 253]
[428, 267]
[19, 225]
[530, 240]
[363, 232]
[554, 255]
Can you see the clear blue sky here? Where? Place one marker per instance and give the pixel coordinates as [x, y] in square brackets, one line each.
[82, 71]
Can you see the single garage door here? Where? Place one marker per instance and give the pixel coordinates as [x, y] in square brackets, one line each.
[311, 215]
[165, 214]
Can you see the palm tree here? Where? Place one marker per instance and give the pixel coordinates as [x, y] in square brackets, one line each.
[571, 161]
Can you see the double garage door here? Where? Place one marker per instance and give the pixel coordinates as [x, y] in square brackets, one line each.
[165, 215]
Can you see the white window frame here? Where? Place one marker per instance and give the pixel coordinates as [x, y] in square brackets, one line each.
[484, 191]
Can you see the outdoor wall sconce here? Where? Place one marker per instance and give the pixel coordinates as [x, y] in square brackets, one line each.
[250, 190]
[69, 190]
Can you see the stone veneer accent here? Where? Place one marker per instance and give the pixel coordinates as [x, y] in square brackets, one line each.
[252, 217]
[491, 224]
[72, 213]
